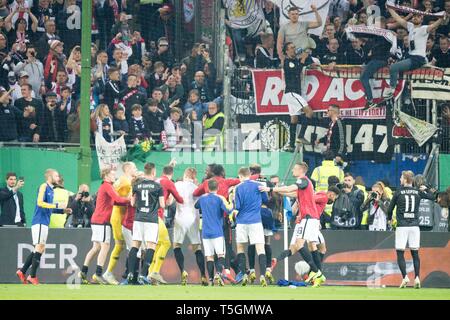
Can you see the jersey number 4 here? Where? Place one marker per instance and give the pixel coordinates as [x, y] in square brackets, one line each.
[410, 204]
[144, 196]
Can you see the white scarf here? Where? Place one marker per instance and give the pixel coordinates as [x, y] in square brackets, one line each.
[392, 5]
[360, 30]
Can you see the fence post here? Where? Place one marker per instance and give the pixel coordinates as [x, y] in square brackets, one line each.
[179, 24]
[198, 21]
[227, 94]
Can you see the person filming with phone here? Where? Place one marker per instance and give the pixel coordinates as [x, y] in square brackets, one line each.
[11, 202]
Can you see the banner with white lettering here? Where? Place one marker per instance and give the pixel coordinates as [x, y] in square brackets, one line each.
[306, 14]
[426, 213]
[322, 88]
[109, 154]
[432, 88]
[365, 139]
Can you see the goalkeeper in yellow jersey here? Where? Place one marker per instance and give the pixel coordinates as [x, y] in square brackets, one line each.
[164, 243]
[123, 188]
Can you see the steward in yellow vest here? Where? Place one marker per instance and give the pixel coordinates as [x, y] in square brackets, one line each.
[214, 126]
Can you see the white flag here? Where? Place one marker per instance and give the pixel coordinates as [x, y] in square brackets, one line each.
[109, 154]
[306, 14]
[421, 130]
[243, 14]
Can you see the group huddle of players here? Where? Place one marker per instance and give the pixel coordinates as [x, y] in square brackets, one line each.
[133, 208]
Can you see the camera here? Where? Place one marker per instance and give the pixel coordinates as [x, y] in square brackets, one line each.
[342, 186]
[373, 195]
[21, 179]
[345, 214]
[84, 194]
[299, 51]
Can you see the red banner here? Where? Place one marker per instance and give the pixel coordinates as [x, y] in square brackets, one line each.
[321, 91]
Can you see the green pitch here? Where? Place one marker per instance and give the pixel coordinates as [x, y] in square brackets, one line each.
[176, 292]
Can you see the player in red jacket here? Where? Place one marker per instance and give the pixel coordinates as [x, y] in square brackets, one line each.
[107, 197]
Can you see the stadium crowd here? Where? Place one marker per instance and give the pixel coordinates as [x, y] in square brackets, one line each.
[138, 87]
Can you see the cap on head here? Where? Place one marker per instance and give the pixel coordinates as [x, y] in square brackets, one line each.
[23, 73]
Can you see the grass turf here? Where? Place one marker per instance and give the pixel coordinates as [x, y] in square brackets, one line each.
[176, 292]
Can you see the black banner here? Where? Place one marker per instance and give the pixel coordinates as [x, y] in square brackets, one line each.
[366, 139]
[426, 213]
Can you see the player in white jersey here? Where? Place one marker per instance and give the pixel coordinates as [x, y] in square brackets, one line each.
[418, 36]
[187, 223]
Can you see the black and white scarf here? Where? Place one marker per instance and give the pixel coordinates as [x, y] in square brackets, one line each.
[363, 31]
[391, 4]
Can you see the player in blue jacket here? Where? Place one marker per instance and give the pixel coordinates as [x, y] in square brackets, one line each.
[212, 207]
[249, 228]
[39, 229]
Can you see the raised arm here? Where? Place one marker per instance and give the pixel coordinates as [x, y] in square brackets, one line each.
[397, 18]
[280, 43]
[286, 190]
[34, 21]
[318, 22]
[8, 20]
[435, 25]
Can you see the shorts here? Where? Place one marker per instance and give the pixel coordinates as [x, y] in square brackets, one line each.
[117, 215]
[320, 239]
[192, 231]
[295, 103]
[216, 245]
[407, 235]
[268, 233]
[250, 232]
[127, 237]
[145, 231]
[307, 229]
[101, 233]
[39, 233]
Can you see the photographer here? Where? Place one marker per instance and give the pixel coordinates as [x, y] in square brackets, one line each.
[377, 203]
[343, 213]
[35, 70]
[82, 205]
[355, 195]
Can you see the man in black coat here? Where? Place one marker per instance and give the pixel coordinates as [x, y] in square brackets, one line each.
[53, 121]
[9, 116]
[334, 140]
[11, 202]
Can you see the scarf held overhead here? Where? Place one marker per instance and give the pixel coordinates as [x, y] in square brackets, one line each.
[392, 5]
[361, 31]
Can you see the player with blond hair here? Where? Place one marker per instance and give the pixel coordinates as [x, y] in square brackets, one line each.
[39, 229]
[123, 189]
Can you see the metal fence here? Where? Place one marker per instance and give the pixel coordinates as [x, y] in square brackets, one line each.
[242, 102]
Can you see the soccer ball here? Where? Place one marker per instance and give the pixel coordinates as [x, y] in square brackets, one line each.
[302, 268]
